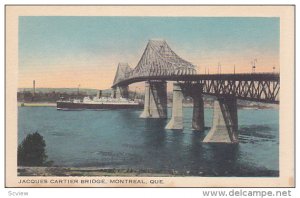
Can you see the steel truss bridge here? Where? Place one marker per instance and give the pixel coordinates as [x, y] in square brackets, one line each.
[259, 87]
[159, 62]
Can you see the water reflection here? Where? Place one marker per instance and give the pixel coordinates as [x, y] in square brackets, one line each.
[154, 133]
[224, 157]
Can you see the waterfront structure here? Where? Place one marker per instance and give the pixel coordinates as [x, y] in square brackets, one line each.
[33, 91]
[159, 64]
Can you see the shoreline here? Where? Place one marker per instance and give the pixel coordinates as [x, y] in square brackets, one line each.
[98, 171]
[51, 104]
[36, 104]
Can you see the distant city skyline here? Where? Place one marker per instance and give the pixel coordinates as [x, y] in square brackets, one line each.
[62, 52]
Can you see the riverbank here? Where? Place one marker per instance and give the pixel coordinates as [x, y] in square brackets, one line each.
[86, 171]
[95, 171]
[36, 104]
[185, 105]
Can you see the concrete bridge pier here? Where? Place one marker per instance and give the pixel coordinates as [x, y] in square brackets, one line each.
[155, 105]
[225, 121]
[176, 121]
[113, 92]
[121, 92]
[198, 112]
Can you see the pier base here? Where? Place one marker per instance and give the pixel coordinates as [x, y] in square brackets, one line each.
[198, 112]
[176, 121]
[155, 105]
[225, 122]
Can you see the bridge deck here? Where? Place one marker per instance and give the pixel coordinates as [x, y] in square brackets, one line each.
[199, 77]
[260, 87]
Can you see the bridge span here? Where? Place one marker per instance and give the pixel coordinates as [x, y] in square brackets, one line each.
[259, 87]
[160, 64]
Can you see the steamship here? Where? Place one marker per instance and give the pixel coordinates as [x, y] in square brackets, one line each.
[98, 102]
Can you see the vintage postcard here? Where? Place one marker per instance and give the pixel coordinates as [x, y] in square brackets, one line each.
[149, 96]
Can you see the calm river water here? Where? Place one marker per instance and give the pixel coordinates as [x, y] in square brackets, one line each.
[120, 139]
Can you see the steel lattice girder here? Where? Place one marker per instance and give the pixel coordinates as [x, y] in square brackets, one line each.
[254, 90]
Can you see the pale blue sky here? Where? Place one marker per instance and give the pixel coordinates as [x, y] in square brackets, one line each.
[99, 43]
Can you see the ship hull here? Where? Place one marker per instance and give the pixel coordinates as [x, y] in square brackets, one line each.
[83, 106]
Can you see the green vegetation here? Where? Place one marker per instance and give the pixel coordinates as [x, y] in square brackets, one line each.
[31, 152]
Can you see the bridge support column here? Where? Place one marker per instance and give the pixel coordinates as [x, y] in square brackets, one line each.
[155, 105]
[176, 121]
[122, 92]
[113, 92]
[225, 122]
[198, 112]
